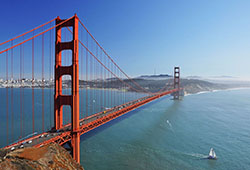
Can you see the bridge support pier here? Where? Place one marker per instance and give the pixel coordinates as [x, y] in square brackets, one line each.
[73, 70]
[177, 83]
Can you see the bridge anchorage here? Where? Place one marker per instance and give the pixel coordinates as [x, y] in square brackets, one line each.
[97, 62]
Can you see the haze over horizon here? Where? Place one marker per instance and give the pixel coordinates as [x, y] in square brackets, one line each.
[218, 77]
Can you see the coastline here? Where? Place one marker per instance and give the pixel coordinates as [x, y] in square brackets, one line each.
[62, 88]
[124, 90]
[212, 91]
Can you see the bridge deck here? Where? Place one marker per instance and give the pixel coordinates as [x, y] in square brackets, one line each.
[87, 124]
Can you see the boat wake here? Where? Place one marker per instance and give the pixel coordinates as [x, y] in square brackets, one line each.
[197, 155]
[170, 125]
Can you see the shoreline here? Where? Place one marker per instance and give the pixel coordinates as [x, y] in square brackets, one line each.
[62, 88]
[212, 91]
[113, 89]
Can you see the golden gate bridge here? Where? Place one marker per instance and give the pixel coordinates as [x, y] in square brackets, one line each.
[80, 64]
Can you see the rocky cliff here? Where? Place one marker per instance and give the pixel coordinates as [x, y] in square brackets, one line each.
[47, 157]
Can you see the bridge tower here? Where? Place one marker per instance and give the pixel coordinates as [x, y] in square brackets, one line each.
[72, 100]
[177, 82]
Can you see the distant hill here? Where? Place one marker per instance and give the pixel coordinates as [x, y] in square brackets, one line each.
[190, 86]
[155, 77]
[229, 80]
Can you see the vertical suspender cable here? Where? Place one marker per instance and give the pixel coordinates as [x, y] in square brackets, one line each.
[124, 88]
[91, 82]
[87, 77]
[110, 97]
[115, 93]
[121, 89]
[94, 91]
[7, 100]
[105, 84]
[111, 90]
[50, 64]
[98, 81]
[43, 82]
[23, 99]
[108, 92]
[33, 95]
[101, 78]
[20, 92]
[12, 106]
[96, 76]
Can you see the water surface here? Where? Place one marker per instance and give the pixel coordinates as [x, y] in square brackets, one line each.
[163, 134]
[167, 134]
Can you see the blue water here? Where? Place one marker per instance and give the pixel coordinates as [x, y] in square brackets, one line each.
[165, 134]
[20, 124]
[168, 134]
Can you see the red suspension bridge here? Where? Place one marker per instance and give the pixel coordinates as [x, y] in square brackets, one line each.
[85, 78]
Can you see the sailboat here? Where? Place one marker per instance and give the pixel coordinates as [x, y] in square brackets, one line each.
[212, 154]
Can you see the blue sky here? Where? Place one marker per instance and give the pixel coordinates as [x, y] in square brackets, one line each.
[203, 37]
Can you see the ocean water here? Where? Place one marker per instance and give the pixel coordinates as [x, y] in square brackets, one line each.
[167, 134]
[164, 134]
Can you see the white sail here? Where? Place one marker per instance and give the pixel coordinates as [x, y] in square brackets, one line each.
[211, 152]
[214, 155]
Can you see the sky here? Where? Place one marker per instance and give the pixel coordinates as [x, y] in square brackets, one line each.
[203, 37]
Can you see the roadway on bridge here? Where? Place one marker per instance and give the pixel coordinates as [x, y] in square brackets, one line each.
[38, 140]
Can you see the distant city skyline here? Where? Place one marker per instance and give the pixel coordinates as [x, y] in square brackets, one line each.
[204, 38]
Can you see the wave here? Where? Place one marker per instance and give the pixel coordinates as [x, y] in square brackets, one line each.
[212, 91]
[202, 92]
